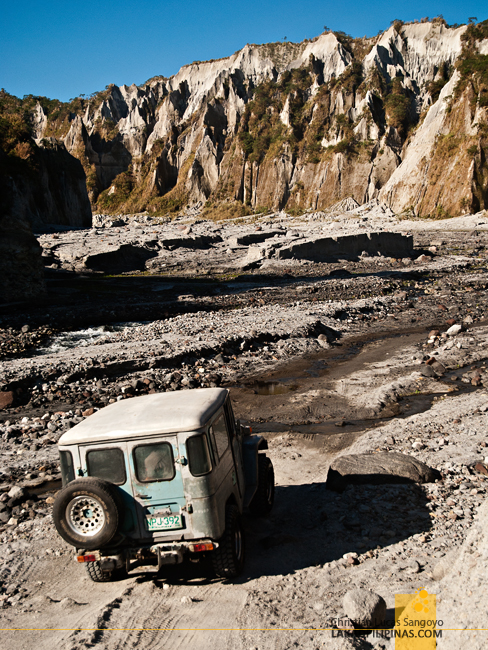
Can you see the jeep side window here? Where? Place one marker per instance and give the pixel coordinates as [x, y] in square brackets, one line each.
[230, 417]
[213, 445]
[107, 464]
[154, 462]
[67, 469]
[198, 455]
[221, 436]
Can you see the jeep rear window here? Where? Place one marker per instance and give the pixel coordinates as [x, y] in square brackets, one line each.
[198, 455]
[107, 464]
[154, 462]
[67, 469]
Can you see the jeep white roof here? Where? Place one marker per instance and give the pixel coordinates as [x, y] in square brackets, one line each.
[161, 413]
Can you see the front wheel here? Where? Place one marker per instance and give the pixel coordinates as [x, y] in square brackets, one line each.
[228, 558]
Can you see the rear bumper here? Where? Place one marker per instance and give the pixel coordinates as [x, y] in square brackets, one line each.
[155, 554]
[174, 553]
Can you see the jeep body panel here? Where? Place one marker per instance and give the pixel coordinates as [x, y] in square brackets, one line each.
[147, 415]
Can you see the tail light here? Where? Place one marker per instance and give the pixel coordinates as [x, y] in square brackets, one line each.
[86, 558]
[199, 548]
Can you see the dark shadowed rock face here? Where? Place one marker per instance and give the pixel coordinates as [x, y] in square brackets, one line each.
[48, 188]
[21, 268]
[376, 469]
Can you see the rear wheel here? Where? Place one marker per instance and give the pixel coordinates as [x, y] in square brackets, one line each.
[263, 500]
[228, 558]
[95, 572]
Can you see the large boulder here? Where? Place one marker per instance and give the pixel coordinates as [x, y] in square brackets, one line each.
[323, 249]
[120, 259]
[6, 399]
[365, 608]
[377, 469]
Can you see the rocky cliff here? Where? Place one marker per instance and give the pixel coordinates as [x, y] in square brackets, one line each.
[21, 267]
[40, 181]
[401, 116]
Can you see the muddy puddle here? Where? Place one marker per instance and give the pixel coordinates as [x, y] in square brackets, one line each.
[272, 387]
[311, 397]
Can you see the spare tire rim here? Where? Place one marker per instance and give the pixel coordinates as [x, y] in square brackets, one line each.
[85, 516]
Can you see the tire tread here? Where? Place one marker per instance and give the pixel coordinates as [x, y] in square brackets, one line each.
[96, 574]
[224, 562]
[260, 504]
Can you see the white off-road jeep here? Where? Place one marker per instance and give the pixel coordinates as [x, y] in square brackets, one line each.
[152, 479]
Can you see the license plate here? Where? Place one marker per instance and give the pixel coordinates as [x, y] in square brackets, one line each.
[166, 522]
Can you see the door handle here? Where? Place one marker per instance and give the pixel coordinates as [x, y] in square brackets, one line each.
[143, 496]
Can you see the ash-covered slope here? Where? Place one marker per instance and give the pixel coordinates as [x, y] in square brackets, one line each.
[300, 126]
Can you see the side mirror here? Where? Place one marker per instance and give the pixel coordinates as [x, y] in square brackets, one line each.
[242, 429]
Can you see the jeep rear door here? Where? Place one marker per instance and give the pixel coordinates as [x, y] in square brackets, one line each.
[157, 486]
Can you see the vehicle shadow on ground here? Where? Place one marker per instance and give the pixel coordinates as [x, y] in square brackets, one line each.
[311, 525]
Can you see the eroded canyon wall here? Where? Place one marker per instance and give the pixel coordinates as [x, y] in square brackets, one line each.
[401, 116]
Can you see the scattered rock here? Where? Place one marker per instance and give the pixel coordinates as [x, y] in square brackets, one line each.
[438, 368]
[481, 468]
[16, 493]
[6, 399]
[427, 371]
[323, 342]
[454, 330]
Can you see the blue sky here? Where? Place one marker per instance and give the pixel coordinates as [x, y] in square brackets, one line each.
[64, 49]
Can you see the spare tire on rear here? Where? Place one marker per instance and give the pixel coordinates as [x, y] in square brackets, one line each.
[88, 513]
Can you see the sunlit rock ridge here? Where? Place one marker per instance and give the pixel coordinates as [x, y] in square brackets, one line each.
[401, 117]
